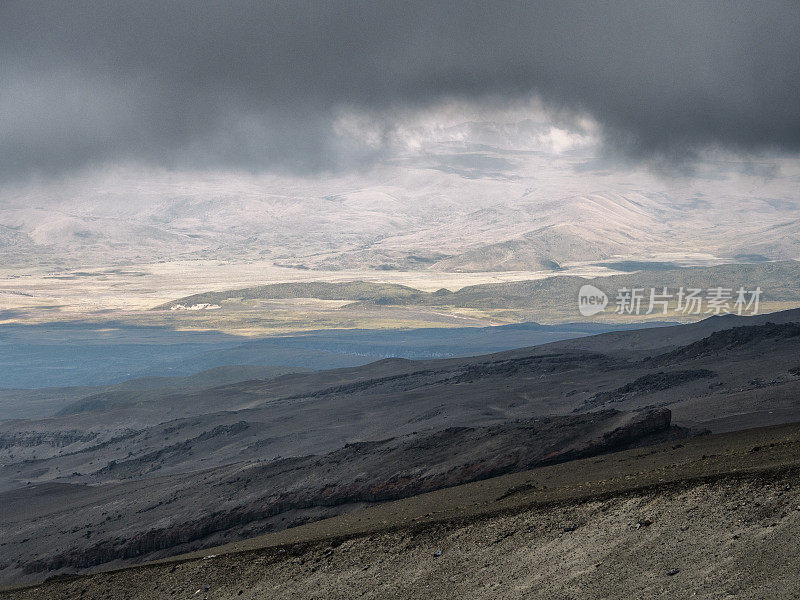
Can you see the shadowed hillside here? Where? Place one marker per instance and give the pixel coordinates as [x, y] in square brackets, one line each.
[211, 465]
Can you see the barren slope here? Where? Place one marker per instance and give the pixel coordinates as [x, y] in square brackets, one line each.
[194, 468]
[713, 517]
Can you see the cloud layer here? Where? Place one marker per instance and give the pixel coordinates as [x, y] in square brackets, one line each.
[263, 85]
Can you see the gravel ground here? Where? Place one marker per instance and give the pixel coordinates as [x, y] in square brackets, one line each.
[710, 517]
[732, 538]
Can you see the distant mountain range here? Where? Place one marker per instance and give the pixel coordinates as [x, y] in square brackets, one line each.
[412, 218]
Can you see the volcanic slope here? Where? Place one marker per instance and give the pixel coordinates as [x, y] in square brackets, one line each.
[712, 517]
[150, 478]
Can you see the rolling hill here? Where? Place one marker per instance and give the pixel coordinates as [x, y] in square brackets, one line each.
[778, 281]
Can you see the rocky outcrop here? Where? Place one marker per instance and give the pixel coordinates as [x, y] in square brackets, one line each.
[650, 383]
[54, 439]
[152, 461]
[635, 431]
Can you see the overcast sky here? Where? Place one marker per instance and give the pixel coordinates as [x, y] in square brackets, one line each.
[306, 87]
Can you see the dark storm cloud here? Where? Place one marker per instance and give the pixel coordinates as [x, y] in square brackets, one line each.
[256, 84]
